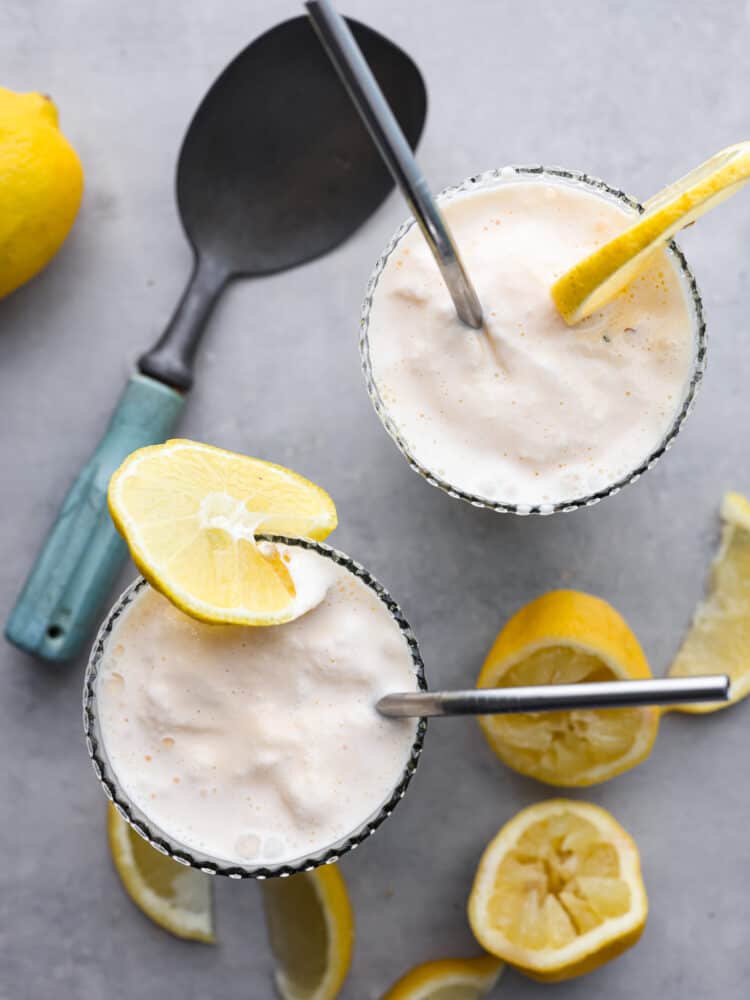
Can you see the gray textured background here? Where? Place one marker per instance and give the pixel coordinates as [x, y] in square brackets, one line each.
[637, 93]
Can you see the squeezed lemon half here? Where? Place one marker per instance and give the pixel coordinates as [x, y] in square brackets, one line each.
[596, 280]
[448, 979]
[190, 514]
[566, 637]
[718, 640]
[175, 897]
[558, 891]
[311, 930]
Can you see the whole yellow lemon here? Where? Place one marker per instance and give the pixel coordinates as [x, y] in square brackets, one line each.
[41, 183]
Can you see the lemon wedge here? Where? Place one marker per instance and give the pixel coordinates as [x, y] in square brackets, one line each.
[190, 513]
[448, 979]
[719, 638]
[598, 278]
[311, 930]
[175, 897]
[558, 891]
[567, 637]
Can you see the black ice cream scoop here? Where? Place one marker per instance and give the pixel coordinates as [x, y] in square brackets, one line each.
[276, 169]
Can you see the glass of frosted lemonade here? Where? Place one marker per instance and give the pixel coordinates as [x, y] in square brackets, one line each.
[256, 751]
[529, 415]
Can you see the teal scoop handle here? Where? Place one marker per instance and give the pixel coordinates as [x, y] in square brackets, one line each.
[79, 562]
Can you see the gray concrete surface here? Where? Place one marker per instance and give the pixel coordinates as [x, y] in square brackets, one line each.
[636, 93]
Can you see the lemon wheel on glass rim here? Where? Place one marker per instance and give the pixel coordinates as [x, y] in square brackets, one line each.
[190, 514]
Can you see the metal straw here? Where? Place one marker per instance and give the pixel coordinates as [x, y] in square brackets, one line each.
[368, 98]
[557, 697]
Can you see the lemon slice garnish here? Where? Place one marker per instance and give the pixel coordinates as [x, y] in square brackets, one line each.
[448, 979]
[190, 513]
[175, 897]
[598, 278]
[311, 930]
[719, 638]
[567, 637]
[559, 891]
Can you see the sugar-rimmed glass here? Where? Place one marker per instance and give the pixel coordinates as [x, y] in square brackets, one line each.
[180, 852]
[487, 181]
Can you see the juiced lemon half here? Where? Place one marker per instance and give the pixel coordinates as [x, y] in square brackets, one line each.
[566, 637]
[448, 979]
[311, 930]
[719, 638]
[175, 897]
[190, 514]
[598, 278]
[559, 891]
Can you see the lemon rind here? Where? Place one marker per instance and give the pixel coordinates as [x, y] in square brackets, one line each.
[421, 982]
[581, 955]
[643, 745]
[333, 898]
[735, 515]
[189, 925]
[158, 576]
[593, 282]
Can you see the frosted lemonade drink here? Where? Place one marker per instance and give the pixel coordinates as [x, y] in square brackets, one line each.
[257, 747]
[529, 414]
[230, 706]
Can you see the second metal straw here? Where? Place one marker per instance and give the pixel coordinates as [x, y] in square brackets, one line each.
[367, 97]
[557, 697]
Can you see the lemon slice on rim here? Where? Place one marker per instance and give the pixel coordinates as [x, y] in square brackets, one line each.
[718, 640]
[558, 891]
[566, 637]
[175, 897]
[597, 279]
[448, 979]
[311, 930]
[190, 513]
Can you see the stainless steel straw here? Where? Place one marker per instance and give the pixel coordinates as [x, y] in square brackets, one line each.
[557, 697]
[368, 98]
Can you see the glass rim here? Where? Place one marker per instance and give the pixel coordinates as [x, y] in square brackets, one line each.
[209, 864]
[508, 174]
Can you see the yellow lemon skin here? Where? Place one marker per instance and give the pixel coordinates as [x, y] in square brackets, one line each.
[567, 637]
[719, 636]
[310, 926]
[41, 185]
[597, 279]
[177, 898]
[448, 978]
[571, 617]
[190, 512]
[559, 891]
[590, 964]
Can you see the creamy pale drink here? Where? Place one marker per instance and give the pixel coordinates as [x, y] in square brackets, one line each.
[528, 411]
[258, 745]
